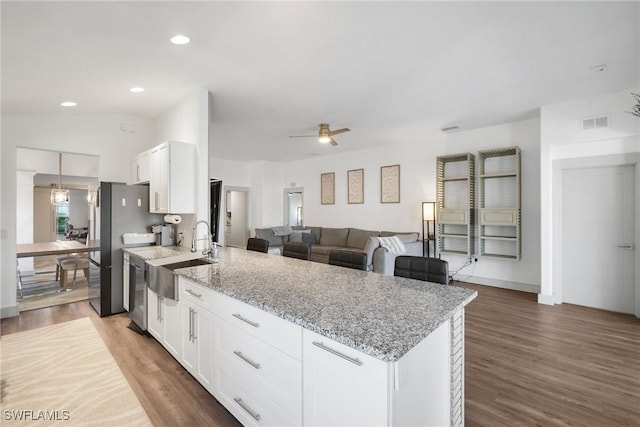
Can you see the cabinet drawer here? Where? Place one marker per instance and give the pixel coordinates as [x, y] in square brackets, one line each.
[453, 216]
[195, 293]
[258, 366]
[279, 333]
[248, 406]
[498, 217]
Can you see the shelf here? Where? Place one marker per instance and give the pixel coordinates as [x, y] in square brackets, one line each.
[499, 175]
[456, 187]
[499, 185]
[460, 236]
[504, 238]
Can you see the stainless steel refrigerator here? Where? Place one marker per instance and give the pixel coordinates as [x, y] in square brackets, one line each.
[120, 209]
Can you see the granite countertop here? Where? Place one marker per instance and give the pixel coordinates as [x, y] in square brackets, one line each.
[383, 316]
[156, 252]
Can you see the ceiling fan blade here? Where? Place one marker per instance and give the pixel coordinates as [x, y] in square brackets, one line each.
[335, 132]
[303, 136]
[333, 142]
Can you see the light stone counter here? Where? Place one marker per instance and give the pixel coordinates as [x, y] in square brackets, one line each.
[156, 252]
[383, 316]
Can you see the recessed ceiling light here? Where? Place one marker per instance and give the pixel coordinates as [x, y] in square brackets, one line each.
[180, 39]
[136, 89]
[598, 68]
[68, 104]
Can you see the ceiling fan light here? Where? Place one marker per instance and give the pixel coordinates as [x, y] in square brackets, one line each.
[324, 139]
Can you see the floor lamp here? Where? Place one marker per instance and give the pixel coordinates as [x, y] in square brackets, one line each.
[428, 216]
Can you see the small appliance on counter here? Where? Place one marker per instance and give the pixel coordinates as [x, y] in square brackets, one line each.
[165, 234]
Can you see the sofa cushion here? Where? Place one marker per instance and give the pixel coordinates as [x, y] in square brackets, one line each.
[267, 234]
[334, 236]
[309, 238]
[358, 238]
[296, 235]
[324, 249]
[316, 231]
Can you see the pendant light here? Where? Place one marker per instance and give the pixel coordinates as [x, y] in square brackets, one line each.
[58, 195]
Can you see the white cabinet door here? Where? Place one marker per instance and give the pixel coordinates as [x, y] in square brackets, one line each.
[125, 281]
[342, 386]
[154, 315]
[141, 168]
[159, 183]
[197, 343]
[172, 331]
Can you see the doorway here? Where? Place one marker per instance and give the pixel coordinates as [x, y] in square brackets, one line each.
[40, 221]
[599, 211]
[293, 206]
[236, 217]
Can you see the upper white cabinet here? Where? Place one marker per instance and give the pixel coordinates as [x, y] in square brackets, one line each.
[499, 204]
[173, 178]
[456, 198]
[141, 168]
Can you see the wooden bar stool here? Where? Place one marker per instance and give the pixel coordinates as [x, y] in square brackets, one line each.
[74, 264]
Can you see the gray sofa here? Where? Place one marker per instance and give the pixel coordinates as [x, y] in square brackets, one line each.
[325, 239]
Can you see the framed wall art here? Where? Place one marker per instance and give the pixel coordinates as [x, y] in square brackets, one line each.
[355, 186]
[328, 188]
[390, 184]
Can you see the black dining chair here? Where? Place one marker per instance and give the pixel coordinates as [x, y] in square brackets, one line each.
[428, 269]
[298, 250]
[350, 259]
[258, 245]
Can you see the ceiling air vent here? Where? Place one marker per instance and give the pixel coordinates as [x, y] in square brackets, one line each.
[595, 123]
[450, 129]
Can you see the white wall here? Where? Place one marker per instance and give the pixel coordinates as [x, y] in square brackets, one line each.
[24, 215]
[87, 134]
[188, 122]
[561, 138]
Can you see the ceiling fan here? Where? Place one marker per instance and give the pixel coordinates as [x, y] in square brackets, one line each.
[324, 134]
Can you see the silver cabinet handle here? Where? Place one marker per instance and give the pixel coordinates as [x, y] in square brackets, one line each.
[246, 359]
[159, 309]
[256, 416]
[244, 319]
[355, 361]
[189, 291]
[190, 324]
[137, 172]
[156, 197]
[195, 324]
[626, 246]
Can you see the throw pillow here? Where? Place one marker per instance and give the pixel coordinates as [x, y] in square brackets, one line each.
[309, 238]
[295, 236]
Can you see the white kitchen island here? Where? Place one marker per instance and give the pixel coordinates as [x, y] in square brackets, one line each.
[281, 341]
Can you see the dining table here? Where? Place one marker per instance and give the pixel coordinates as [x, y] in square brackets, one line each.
[59, 247]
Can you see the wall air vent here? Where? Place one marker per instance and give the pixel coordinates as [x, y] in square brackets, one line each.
[595, 123]
[450, 129]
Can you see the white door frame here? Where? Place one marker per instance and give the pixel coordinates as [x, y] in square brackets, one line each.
[285, 197]
[559, 166]
[223, 210]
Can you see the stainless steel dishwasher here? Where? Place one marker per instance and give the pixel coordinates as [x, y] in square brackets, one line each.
[138, 273]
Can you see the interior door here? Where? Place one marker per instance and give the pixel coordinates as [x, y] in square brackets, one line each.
[598, 229]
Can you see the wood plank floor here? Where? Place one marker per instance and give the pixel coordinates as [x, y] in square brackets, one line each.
[527, 364]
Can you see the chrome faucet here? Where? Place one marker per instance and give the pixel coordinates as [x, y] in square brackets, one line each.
[194, 238]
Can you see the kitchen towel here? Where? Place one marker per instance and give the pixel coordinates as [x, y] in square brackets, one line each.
[172, 219]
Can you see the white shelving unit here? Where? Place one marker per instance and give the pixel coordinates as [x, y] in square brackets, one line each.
[456, 199]
[500, 203]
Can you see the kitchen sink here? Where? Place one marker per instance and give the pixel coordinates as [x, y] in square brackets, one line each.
[164, 282]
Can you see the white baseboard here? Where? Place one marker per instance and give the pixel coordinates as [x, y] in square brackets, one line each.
[546, 299]
[506, 284]
[11, 311]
